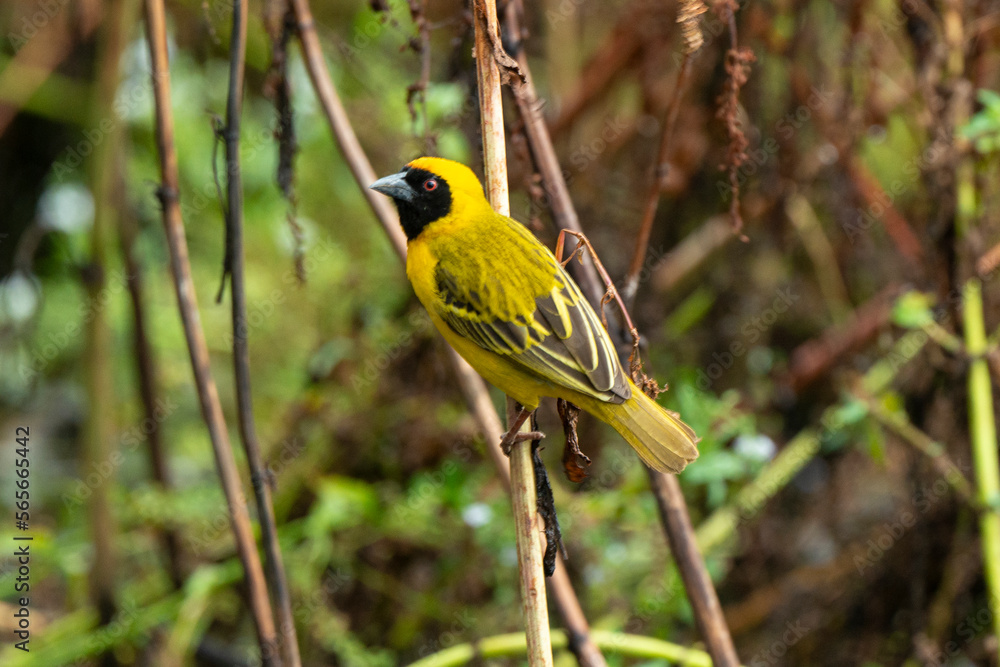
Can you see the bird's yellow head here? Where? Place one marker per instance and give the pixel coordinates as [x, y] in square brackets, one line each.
[431, 188]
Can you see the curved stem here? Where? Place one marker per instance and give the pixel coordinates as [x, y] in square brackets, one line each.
[514, 644]
[241, 344]
[208, 396]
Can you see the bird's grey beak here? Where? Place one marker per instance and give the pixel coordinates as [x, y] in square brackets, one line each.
[394, 186]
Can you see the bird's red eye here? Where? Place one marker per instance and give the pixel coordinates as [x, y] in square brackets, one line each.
[430, 185]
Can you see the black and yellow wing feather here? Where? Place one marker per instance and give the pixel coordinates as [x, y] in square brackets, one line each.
[537, 317]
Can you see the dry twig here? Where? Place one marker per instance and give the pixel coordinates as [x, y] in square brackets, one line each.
[668, 492]
[208, 397]
[241, 345]
[489, 59]
[737, 72]
[688, 15]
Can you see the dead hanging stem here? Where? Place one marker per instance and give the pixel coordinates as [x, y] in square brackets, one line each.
[219, 138]
[418, 90]
[278, 88]
[575, 462]
[737, 72]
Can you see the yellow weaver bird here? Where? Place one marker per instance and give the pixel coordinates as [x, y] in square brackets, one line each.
[506, 305]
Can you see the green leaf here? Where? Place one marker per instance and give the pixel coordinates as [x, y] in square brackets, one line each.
[717, 465]
[913, 310]
[340, 503]
[989, 98]
[876, 441]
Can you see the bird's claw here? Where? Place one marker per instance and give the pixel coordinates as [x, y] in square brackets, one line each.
[510, 438]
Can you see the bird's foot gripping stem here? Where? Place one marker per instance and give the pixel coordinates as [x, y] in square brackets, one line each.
[515, 434]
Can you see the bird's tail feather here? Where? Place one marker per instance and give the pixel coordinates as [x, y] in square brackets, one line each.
[662, 440]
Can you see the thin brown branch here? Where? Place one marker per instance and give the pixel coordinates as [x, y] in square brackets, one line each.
[700, 591]
[688, 14]
[679, 533]
[560, 587]
[260, 605]
[336, 116]
[146, 374]
[289, 648]
[540, 141]
[489, 57]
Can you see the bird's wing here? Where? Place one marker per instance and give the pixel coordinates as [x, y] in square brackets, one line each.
[562, 340]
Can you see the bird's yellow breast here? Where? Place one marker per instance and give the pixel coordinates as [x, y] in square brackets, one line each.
[498, 266]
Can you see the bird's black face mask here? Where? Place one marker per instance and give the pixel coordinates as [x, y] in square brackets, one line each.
[420, 197]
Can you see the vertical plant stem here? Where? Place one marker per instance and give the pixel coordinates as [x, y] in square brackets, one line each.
[668, 493]
[289, 647]
[581, 643]
[99, 450]
[982, 429]
[697, 583]
[260, 605]
[522, 474]
[657, 181]
[527, 526]
[146, 374]
[544, 154]
[336, 116]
